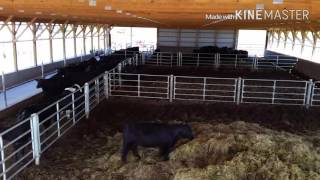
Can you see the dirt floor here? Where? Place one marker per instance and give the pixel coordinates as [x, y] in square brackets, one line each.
[231, 142]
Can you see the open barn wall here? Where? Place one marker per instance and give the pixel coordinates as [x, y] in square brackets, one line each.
[187, 39]
[15, 78]
[27, 45]
[306, 67]
[30, 43]
[305, 45]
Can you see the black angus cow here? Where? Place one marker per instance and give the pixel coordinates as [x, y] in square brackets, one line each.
[163, 136]
[53, 86]
[78, 67]
[79, 73]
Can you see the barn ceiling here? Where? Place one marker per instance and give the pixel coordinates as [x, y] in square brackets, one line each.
[159, 13]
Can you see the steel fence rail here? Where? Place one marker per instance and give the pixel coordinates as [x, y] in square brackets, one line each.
[233, 90]
[34, 135]
[274, 62]
[24, 142]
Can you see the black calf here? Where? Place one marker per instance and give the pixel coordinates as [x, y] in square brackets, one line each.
[163, 136]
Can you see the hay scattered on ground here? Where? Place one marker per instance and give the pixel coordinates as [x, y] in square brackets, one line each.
[219, 151]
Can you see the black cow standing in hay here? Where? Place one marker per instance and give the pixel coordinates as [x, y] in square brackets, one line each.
[163, 136]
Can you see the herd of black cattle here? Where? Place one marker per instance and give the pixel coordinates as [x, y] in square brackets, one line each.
[76, 75]
[54, 88]
[209, 50]
[202, 55]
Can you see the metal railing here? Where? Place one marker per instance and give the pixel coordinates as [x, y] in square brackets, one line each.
[285, 92]
[24, 142]
[315, 100]
[275, 62]
[204, 88]
[234, 90]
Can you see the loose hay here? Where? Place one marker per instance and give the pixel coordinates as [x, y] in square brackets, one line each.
[219, 151]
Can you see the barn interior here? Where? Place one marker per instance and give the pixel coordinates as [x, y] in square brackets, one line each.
[243, 74]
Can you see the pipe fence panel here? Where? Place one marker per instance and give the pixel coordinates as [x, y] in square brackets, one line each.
[315, 100]
[139, 85]
[276, 62]
[284, 92]
[16, 149]
[272, 62]
[204, 89]
[24, 142]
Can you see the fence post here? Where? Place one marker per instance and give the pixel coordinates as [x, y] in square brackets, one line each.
[277, 62]
[204, 88]
[4, 89]
[143, 58]
[106, 84]
[198, 59]
[42, 70]
[171, 88]
[309, 94]
[178, 57]
[218, 60]
[215, 60]
[239, 87]
[3, 162]
[137, 60]
[86, 100]
[35, 136]
[73, 109]
[97, 90]
[256, 63]
[157, 58]
[274, 90]
[138, 85]
[236, 62]
[58, 118]
[180, 53]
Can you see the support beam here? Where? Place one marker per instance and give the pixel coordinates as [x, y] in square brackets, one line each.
[304, 35]
[286, 34]
[98, 31]
[63, 29]
[14, 42]
[91, 39]
[6, 22]
[84, 38]
[294, 38]
[314, 44]
[104, 39]
[34, 30]
[50, 28]
[26, 28]
[278, 38]
[74, 30]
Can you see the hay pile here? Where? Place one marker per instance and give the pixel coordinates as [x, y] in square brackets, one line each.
[226, 152]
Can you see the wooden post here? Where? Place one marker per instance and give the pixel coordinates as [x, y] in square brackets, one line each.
[14, 43]
[98, 30]
[74, 31]
[84, 38]
[34, 41]
[50, 29]
[91, 34]
[63, 28]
